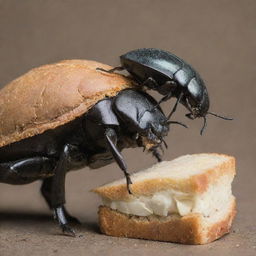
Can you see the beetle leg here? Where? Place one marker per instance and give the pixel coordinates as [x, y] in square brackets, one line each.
[156, 154]
[59, 215]
[165, 98]
[175, 105]
[111, 70]
[111, 138]
[151, 83]
[167, 90]
[46, 193]
[204, 126]
[175, 122]
[26, 170]
[58, 190]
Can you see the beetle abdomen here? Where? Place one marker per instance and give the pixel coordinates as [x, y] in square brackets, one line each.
[184, 75]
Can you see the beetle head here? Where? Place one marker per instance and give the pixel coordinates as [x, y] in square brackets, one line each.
[196, 98]
[152, 126]
[145, 120]
[197, 101]
[141, 120]
[156, 128]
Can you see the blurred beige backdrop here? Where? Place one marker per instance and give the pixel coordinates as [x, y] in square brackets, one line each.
[217, 37]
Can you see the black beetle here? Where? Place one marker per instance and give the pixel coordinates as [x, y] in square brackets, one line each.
[170, 76]
[129, 119]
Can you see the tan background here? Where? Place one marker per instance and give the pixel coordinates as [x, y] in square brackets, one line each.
[217, 37]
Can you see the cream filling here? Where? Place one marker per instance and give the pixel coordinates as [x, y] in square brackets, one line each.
[164, 203]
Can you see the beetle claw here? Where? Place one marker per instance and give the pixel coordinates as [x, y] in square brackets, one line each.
[67, 230]
[129, 190]
[157, 155]
[128, 182]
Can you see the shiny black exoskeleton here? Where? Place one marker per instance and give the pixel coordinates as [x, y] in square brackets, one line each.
[95, 139]
[170, 76]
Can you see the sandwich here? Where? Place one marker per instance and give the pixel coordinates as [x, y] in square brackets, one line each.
[187, 200]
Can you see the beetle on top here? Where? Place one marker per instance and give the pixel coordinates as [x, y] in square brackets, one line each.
[170, 76]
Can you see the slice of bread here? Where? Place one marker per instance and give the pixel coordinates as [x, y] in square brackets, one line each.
[187, 200]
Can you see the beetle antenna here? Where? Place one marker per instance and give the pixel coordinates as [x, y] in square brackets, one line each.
[175, 122]
[204, 126]
[222, 117]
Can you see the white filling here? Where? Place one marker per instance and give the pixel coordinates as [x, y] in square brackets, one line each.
[163, 203]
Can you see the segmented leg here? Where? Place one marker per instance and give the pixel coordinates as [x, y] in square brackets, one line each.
[157, 155]
[26, 170]
[57, 189]
[111, 138]
[150, 83]
[111, 70]
[167, 90]
[175, 106]
[46, 193]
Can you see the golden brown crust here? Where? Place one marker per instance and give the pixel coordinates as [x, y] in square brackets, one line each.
[221, 228]
[52, 95]
[194, 184]
[190, 229]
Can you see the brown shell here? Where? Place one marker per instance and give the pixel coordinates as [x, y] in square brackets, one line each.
[52, 95]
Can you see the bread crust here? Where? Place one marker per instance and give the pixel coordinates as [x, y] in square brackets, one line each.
[52, 95]
[194, 184]
[190, 229]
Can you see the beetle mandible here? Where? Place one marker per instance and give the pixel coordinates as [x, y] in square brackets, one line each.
[170, 76]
